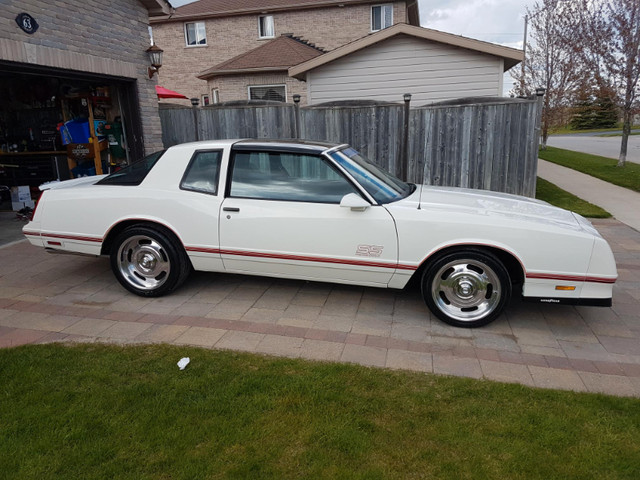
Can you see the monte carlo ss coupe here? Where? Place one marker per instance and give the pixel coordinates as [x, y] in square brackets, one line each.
[314, 211]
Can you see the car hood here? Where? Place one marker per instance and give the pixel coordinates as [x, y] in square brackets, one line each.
[494, 204]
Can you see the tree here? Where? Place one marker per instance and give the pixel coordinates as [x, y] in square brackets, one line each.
[594, 107]
[550, 63]
[607, 38]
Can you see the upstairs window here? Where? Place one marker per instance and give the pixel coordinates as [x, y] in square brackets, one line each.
[381, 17]
[195, 34]
[266, 28]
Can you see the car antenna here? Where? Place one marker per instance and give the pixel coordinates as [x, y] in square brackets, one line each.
[424, 165]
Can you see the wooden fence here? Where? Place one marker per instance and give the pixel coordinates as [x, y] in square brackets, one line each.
[489, 145]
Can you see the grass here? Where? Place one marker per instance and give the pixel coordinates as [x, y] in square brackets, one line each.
[596, 166]
[553, 194]
[105, 412]
[636, 132]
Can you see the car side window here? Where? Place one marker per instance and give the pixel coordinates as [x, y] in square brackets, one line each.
[288, 177]
[203, 172]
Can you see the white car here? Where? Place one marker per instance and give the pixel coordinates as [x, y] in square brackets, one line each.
[314, 211]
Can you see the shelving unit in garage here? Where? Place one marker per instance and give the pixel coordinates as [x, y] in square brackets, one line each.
[79, 154]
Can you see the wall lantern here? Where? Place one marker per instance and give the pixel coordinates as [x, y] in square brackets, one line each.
[155, 58]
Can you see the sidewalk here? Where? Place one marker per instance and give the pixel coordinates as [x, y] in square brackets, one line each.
[622, 203]
[57, 298]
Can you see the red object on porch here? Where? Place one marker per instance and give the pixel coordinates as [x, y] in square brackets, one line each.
[166, 93]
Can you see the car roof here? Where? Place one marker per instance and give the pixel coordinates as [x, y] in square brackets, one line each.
[287, 145]
[273, 145]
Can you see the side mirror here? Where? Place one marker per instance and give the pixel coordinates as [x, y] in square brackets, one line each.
[355, 202]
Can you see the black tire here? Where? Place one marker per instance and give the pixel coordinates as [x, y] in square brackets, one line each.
[466, 288]
[149, 261]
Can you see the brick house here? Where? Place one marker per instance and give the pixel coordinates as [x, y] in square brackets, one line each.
[221, 50]
[59, 60]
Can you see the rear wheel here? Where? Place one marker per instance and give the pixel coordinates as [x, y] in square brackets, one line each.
[467, 288]
[148, 261]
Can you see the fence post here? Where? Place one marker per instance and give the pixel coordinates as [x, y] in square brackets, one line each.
[404, 147]
[540, 98]
[296, 103]
[194, 104]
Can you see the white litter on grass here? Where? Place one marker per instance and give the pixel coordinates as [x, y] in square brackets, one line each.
[183, 362]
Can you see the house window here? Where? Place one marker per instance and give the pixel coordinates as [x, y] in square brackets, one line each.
[205, 100]
[277, 93]
[215, 96]
[195, 34]
[381, 17]
[266, 28]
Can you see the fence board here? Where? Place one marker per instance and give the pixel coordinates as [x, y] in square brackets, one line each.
[490, 146]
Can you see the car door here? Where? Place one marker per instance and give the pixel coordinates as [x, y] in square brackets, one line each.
[282, 217]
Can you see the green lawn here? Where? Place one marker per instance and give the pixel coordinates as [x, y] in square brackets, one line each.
[553, 194]
[110, 412]
[596, 166]
[633, 132]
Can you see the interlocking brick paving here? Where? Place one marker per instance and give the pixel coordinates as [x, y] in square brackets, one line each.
[54, 298]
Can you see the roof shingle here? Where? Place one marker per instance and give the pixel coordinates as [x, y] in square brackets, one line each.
[278, 54]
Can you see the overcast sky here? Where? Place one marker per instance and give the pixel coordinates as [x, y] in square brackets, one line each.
[496, 21]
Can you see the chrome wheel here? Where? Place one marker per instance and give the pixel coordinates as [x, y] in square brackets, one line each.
[466, 288]
[143, 262]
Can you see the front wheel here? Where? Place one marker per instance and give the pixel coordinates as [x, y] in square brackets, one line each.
[466, 288]
[148, 261]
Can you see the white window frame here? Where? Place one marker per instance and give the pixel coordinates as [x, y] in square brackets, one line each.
[267, 86]
[215, 96]
[205, 100]
[273, 27]
[186, 36]
[382, 8]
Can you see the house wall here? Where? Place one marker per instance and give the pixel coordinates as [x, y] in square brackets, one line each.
[106, 38]
[235, 87]
[327, 28]
[430, 71]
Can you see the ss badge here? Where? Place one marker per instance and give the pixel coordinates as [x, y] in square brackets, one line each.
[369, 250]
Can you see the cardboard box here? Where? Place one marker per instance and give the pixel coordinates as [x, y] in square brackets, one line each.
[21, 197]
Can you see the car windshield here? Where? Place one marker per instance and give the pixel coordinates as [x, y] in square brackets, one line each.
[381, 185]
[132, 174]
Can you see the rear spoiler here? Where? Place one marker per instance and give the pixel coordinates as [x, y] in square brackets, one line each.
[71, 183]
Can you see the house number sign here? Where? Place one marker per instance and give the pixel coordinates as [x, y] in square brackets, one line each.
[27, 23]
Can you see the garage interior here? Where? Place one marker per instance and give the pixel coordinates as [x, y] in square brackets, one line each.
[56, 125]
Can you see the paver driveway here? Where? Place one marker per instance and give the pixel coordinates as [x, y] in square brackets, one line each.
[47, 298]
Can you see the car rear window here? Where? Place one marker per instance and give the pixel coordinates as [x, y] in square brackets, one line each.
[133, 174]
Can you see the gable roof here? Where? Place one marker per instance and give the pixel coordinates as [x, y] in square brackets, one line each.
[224, 8]
[511, 56]
[276, 55]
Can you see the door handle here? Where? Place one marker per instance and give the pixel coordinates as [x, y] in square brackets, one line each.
[230, 209]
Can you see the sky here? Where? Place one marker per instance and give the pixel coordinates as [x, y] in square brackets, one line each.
[496, 21]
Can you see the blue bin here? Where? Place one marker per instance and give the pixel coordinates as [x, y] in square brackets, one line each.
[78, 130]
